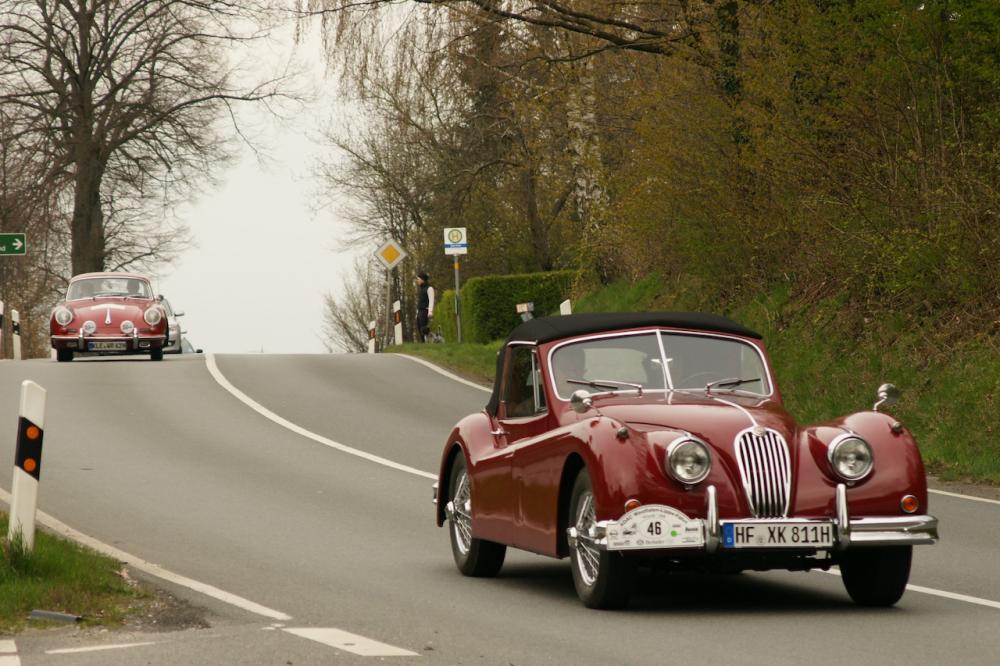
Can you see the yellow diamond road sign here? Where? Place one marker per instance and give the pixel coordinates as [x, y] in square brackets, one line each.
[390, 254]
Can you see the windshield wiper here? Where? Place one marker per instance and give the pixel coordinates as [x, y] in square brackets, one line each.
[610, 384]
[729, 383]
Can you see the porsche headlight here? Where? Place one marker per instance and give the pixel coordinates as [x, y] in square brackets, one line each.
[688, 460]
[127, 327]
[152, 316]
[89, 327]
[851, 457]
[63, 316]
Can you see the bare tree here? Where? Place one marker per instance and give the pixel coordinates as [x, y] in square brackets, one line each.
[347, 315]
[123, 96]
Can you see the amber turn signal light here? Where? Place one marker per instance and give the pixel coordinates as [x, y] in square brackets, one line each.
[632, 505]
[909, 504]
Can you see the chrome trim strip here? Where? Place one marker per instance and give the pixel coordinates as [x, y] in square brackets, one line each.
[843, 518]
[712, 529]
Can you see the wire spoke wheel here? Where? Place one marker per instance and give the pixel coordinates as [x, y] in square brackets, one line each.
[588, 559]
[461, 521]
[473, 556]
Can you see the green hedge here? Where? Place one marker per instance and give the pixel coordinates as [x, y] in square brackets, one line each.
[489, 304]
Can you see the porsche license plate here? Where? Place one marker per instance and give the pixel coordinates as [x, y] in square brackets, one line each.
[763, 534]
[654, 526]
[111, 345]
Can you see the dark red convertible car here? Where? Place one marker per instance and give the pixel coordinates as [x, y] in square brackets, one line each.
[108, 313]
[660, 439]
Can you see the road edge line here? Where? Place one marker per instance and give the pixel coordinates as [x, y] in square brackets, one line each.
[221, 380]
[972, 498]
[64, 530]
[442, 371]
[955, 596]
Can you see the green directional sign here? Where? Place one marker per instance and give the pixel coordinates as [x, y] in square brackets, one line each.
[13, 244]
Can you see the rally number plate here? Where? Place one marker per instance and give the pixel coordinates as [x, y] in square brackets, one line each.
[654, 526]
[785, 534]
[116, 345]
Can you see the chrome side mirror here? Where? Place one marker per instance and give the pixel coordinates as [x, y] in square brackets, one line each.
[888, 395]
[581, 401]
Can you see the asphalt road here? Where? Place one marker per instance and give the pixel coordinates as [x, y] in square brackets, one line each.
[158, 460]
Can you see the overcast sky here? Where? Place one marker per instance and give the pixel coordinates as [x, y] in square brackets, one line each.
[263, 257]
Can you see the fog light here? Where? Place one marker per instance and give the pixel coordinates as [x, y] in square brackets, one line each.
[909, 504]
[89, 327]
[632, 505]
[127, 327]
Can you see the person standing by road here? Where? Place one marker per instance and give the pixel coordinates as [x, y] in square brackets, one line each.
[425, 306]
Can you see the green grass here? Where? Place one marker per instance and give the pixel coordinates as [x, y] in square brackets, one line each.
[60, 576]
[476, 362]
[829, 362]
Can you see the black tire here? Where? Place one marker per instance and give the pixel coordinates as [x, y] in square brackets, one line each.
[876, 576]
[473, 557]
[602, 579]
[156, 355]
[64, 355]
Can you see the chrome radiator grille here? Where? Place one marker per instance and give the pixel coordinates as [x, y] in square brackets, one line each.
[766, 470]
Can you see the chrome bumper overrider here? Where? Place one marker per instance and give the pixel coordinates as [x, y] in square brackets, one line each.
[848, 532]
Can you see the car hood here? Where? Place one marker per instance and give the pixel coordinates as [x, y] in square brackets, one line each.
[109, 313]
[717, 419]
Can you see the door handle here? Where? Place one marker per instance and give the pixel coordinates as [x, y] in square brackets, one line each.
[499, 432]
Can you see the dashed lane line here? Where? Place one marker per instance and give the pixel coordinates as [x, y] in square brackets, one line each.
[100, 648]
[8, 654]
[156, 570]
[213, 369]
[348, 642]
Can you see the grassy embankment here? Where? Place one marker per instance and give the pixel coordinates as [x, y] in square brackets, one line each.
[60, 576]
[828, 363]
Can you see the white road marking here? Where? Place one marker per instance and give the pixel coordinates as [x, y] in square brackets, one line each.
[99, 648]
[989, 603]
[348, 642]
[213, 369]
[65, 530]
[442, 371]
[8, 647]
[10, 660]
[965, 497]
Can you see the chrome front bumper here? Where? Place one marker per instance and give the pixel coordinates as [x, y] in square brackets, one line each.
[848, 532]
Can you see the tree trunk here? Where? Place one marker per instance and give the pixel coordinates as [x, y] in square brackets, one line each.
[88, 219]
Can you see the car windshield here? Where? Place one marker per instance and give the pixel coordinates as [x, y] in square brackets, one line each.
[659, 361]
[108, 286]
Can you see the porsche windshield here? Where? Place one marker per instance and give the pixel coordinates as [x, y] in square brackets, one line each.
[659, 361]
[108, 286]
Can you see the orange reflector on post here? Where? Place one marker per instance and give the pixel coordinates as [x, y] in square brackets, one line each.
[30, 465]
[32, 432]
[909, 504]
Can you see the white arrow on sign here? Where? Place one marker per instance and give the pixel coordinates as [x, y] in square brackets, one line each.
[17, 244]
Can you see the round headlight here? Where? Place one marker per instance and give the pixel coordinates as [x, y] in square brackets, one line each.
[851, 457]
[89, 327]
[152, 316]
[63, 316]
[127, 327]
[688, 460]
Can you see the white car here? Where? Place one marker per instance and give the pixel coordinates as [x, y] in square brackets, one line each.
[175, 333]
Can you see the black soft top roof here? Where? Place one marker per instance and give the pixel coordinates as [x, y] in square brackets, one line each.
[546, 329]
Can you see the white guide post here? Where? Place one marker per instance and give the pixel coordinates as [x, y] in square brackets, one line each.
[371, 337]
[565, 307]
[397, 329]
[27, 464]
[15, 325]
[1, 329]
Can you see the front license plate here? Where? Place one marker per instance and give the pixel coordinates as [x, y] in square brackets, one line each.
[117, 345]
[654, 526]
[777, 535]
